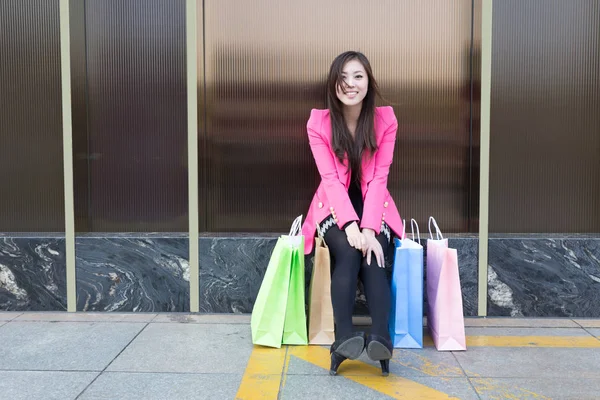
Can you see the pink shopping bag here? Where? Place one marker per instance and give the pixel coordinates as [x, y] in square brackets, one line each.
[445, 318]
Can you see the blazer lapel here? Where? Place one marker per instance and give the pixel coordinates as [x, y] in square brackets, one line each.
[368, 162]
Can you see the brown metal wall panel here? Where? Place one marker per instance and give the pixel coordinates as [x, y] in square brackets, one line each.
[136, 135]
[545, 117]
[79, 115]
[266, 62]
[475, 95]
[31, 157]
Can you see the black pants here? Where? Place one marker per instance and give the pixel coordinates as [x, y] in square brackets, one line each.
[348, 265]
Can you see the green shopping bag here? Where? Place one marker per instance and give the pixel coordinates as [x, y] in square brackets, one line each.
[294, 327]
[269, 311]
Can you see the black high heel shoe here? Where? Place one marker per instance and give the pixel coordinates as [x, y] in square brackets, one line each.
[380, 349]
[349, 347]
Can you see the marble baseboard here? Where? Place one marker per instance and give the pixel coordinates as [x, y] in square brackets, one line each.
[231, 271]
[144, 273]
[32, 274]
[232, 268]
[468, 261]
[529, 275]
[544, 277]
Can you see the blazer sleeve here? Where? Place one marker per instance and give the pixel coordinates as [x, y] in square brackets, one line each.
[374, 207]
[336, 192]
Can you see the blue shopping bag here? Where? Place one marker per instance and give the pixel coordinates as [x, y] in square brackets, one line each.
[406, 319]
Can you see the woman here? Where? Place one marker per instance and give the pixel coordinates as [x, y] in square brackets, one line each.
[353, 145]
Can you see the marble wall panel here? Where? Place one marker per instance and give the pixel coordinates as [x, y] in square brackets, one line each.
[144, 273]
[544, 277]
[32, 274]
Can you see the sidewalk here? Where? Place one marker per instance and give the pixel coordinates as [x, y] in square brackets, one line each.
[191, 356]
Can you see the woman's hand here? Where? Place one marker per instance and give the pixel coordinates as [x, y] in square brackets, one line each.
[355, 237]
[373, 246]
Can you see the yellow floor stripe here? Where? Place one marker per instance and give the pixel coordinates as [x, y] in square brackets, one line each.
[534, 341]
[394, 386]
[262, 377]
[527, 341]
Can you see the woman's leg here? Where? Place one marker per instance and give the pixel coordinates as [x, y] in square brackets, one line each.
[346, 265]
[377, 291]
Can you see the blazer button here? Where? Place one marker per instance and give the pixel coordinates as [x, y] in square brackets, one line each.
[385, 204]
[331, 209]
[320, 205]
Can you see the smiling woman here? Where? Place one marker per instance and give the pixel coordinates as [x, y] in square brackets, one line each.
[353, 144]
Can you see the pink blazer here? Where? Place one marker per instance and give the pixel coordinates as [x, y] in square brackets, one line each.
[332, 193]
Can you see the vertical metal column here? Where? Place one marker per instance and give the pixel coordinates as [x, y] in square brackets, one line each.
[192, 107]
[486, 78]
[65, 63]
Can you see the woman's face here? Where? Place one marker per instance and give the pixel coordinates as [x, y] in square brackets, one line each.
[356, 84]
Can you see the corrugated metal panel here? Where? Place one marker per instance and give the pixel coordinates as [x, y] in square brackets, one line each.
[137, 126]
[545, 117]
[475, 95]
[79, 115]
[266, 62]
[31, 166]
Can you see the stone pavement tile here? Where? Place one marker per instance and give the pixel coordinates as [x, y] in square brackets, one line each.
[521, 322]
[203, 318]
[9, 315]
[459, 388]
[339, 387]
[87, 317]
[63, 346]
[326, 387]
[525, 332]
[43, 385]
[490, 362]
[594, 331]
[150, 386]
[588, 323]
[572, 387]
[424, 362]
[195, 348]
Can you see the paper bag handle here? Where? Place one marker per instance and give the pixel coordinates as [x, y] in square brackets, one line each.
[296, 226]
[438, 233]
[403, 236]
[414, 224]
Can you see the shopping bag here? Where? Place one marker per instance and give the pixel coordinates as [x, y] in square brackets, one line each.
[445, 317]
[269, 311]
[406, 319]
[320, 325]
[294, 327]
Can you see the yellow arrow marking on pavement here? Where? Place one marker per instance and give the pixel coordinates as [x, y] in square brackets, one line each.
[394, 386]
[262, 377]
[267, 367]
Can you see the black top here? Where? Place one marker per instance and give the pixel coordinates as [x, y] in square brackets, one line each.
[355, 195]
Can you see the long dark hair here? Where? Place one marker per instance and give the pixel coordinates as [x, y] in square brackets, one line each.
[364, 136]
